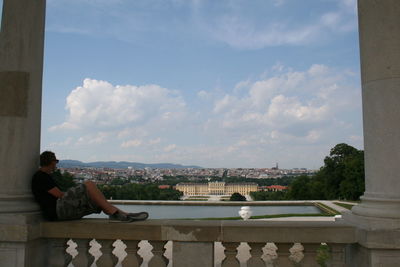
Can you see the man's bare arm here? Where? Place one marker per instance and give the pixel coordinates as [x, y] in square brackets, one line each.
[56, 192]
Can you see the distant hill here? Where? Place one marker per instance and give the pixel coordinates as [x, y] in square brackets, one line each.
[120, 165]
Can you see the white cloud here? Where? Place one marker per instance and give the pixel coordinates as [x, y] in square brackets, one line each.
[101, 105]
[202, 94]
[93, 139]
[245, 32]
[64, 125]
[241, 34]
[269, 119]
[318, 70]
[289, 109]
[294, 104]
[278, 2]
[225, 22]
[349, 5]
[68, 141]
[224, 103]
[155, 141]
[331, 19]
[169, 148]
[131, 143]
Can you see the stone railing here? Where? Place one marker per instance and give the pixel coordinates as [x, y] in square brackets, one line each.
[191, 243]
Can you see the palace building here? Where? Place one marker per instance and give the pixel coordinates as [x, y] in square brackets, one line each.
[216, 188]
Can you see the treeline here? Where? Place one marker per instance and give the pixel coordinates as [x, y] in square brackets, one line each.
[139, 192]
[120, 189]
[341, 177]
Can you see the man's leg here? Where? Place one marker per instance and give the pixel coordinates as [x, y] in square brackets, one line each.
[98, 198]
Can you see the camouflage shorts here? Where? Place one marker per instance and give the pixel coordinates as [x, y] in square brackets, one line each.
[75, 204]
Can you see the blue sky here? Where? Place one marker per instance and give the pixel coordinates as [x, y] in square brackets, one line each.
[229, 83]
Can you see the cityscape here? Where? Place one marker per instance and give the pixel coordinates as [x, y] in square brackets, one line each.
[106, 175]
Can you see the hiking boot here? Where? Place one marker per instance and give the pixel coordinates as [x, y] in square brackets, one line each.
[140, 216]
[119, 217]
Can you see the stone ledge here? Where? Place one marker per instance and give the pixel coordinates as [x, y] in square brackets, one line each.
[289, 231]
[204, 231]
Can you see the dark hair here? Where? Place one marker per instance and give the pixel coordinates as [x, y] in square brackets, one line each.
[46, 158]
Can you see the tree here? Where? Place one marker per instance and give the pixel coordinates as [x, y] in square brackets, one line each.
[342, 176]
[353, 185]
[237, 197]
[118, 181]
[343, 173]
[300, 188]
[170, 194]
[267, 195]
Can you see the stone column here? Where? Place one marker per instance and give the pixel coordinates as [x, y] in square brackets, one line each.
[21, 68]
[378, 215]
[379, 26]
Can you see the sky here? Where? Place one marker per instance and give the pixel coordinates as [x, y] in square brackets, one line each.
[227, 83]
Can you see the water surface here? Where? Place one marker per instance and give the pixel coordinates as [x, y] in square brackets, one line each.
[181, 211]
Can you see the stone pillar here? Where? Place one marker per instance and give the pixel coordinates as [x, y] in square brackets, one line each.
[21, 68]
[378, 215]
[379, 26]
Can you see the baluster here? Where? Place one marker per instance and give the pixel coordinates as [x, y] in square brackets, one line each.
[230, 253]
[158, 259]
[337, 255]
[84, 258]
[256, 251]
[107, 259]
[310, 255]
[283, 254]
[270, 254]
[296, 253]
[59, 257]
[132, 258]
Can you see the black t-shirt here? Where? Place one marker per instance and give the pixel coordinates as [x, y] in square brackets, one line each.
[41, 183]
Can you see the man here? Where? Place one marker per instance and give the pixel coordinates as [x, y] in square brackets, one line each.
[77, 201]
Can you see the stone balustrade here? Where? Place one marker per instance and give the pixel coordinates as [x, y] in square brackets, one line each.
[196, 243]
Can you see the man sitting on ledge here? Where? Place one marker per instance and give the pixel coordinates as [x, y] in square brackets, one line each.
[77, 201]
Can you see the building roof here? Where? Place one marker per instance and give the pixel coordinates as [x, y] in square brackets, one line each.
[278, 187]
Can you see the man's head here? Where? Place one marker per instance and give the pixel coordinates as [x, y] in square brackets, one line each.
[48, 158]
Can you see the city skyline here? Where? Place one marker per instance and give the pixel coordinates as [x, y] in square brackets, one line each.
[214, 84]
[70, 163]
